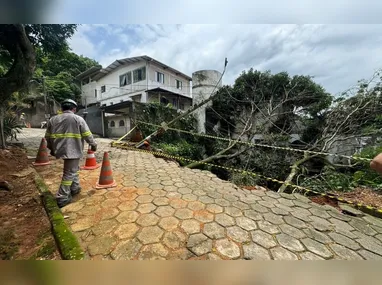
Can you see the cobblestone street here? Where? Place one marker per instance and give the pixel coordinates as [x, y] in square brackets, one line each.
[162, 211]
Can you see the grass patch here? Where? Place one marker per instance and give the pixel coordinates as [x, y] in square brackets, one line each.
[8, 246]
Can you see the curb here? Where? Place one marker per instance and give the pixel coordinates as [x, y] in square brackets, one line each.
[66, 241]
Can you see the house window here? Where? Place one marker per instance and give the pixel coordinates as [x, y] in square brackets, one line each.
[139, 74]
[181, 106]
[103, 89]
[95, 93]
[174, 102]
[179, 84]
[125, 79]
[160, 77]
[112, 124]
[121, 123]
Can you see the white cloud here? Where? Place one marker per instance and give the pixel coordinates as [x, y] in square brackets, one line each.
[338, 55]
[81, 44]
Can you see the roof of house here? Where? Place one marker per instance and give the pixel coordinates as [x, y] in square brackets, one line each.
[97, 72]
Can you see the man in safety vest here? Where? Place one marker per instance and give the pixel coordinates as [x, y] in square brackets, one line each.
[65, 135]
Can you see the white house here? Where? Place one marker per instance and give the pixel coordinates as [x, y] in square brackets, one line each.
[140, 79]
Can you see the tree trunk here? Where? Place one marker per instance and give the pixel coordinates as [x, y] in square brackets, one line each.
[14, 39]
[3, 143]
[294, 171]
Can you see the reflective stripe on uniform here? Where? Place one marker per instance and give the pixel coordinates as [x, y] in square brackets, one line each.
[66, 182]
[64, 136]
[86, 134]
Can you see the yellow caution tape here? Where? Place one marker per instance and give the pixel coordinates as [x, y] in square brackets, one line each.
[261, 145]
[369, 209]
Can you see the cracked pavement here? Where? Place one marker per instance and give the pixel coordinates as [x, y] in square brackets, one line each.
[159, 210]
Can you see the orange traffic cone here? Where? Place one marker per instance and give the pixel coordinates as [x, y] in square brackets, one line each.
[42, 154]
[91, 162]
[106, 179]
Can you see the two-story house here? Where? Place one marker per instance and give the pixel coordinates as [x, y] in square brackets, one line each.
[136, 79]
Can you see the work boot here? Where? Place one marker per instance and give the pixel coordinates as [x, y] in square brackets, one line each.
[76, 192]
[62, 203]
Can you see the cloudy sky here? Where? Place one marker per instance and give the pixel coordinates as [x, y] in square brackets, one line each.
[336, 55]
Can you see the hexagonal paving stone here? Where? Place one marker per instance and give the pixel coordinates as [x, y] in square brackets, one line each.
[285, 202]
[161, 201]
[228, 248]
[279, 211]
[301, 204]
[263, 239]
[203, 216]
[319, 212]
[221, 202]
[144, 191]
[169, 223]
[146, 208]
[274, 219]
[173, 195]
[224, 220]
[126, 196]
[109, 203]
[113, 194]
[316, 247]
[126, 250]
[289, 242]
[292, 231]
[196, 206]
[178, 203]
[268, 227]
[214, 230]
[158, 193]
[102, 245]
[240, 205]
[104, 227]
[246, 223]
[370, 244]
[310, 256]
[267, 204]
[189, 197]
[233, 211]
[147, 220]
[318, 236]
[143, 199]
[238, 234]
[108, 213]
[252, 214]
[126, 231]
[82, 224]
[183, 214]
[341, 226]
[215, 209]
[321, 224]
[345, 241]
[302, 214]
[127, 217]
[156, 187]
[280, 253]
[167, 183]
[362, 227]
[185, 190]
[206, 200]
[153, 252]
[170, 188]
[165, 211]
[151, 234]
[172, 240]
[91, 210]
[255, 252]
[294, 222]
[369, 255]
[191, 226]
[344, 253]
[260, 209]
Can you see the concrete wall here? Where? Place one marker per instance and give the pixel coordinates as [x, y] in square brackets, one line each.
[93, 119]
[36, 113]
[117, 130]
[203, 84]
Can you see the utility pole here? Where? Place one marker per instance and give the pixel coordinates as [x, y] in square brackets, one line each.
[47, 114]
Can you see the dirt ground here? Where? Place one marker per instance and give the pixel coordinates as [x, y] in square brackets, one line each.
[25, 231]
